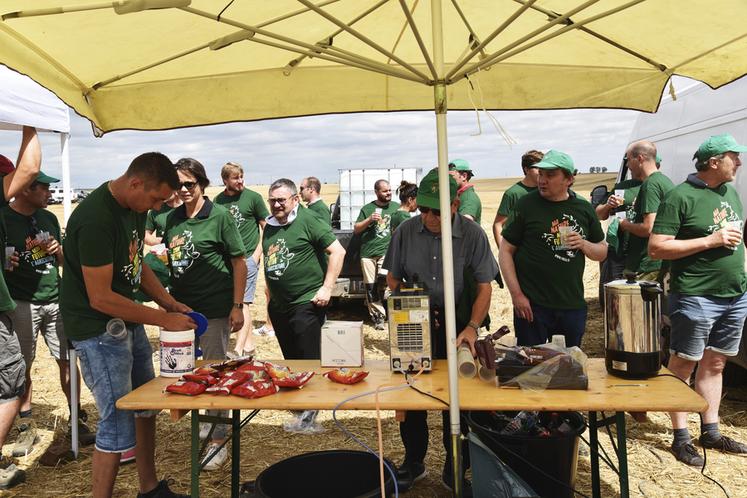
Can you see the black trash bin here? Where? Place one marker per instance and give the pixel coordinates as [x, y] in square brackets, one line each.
[556, 455]
[332, 474]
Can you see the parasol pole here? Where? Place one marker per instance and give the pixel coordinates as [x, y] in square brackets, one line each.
[447, 256]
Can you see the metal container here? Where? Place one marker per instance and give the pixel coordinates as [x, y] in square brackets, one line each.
[632, 322]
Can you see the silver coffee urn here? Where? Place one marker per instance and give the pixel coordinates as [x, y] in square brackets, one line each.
[632, 322]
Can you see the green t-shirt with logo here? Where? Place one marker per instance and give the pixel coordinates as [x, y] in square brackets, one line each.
[650, 195]
[630, 194]
[512, 196]
[321, 211]
[399, 217]
[100, 232]
[548, 274]
[469, 204]
[37, 277]
[690, 211]
[294, 259]
[200, 251]
[376, 237]
[247, 209]
[156, 219]
[6, 302]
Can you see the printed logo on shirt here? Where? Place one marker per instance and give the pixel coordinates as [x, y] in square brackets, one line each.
[553, 237]
[36, 256]
[182, 253]
[382, 227]
[723, 216]
[278, 259]
[133, 271]
[238, 218]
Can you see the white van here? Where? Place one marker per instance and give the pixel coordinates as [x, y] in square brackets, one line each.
[681, 125]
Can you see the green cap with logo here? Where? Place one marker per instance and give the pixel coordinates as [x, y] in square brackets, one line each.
[557, 160]
[428, 190]
[459, 165]
[716, 145]
[45, 178]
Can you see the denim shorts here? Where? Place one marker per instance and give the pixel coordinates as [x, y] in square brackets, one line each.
[706, 322]
[251, 280]
[111, 368]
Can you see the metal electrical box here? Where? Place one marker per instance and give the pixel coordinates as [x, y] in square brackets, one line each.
[410, 330]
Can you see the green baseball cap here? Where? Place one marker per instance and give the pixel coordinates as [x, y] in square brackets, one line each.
[428, 190]
[45, 178]
[658, 159]
[557, 160]
[459, 165]
[717, 144]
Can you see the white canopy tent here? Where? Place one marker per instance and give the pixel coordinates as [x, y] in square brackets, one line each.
[23, 102]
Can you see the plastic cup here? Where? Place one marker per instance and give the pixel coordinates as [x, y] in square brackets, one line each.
[378, 211]
[564, 231]
[734, 225]
[9, 251]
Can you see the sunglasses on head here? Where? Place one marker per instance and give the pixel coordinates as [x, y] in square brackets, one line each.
[187, 185]
[424, 210]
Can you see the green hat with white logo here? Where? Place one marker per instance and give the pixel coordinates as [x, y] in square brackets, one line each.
[716, 145]
[557, 160]
[44, 178]
[428, 190]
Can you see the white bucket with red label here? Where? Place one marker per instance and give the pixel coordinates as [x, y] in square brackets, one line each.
[177, 352]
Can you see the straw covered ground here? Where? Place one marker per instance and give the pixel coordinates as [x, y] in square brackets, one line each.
[653, 470]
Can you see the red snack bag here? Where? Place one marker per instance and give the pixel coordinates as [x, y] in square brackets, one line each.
[186, 387]
[255, 389]
[208, 380]
[255, 369]
[227, 383]
[205, 371]
[283, 377]
[345, 376]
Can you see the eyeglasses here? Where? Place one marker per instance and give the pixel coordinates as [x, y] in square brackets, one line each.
[425, 210]
[279, 200]
[187, 185]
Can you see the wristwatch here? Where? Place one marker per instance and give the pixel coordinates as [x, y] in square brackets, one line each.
[474, 326]
[238, 305]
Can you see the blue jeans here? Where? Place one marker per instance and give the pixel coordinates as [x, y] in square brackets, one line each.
[111, 368]
[548, 322]
[706, 322]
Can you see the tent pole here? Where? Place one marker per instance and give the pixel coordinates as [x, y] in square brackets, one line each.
[447, 256]
[65, 158]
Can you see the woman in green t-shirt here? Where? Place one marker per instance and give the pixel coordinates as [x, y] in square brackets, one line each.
[407, 193]
[208, 272]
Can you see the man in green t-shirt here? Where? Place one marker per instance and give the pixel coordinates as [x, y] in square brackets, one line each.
[516, 191]
[13, 371]
[469, 203]
[545, 244]
[34, 285]
[156, 220]
[249, 212]
[310, 191]
[641, 157]
[699, 228]
[103, 267]
[374, 225]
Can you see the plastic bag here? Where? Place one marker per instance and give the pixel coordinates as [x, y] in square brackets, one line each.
[303, 423]
[564, 369]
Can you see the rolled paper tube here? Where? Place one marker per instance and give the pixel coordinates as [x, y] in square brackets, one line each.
[487, 374]
[466, 362]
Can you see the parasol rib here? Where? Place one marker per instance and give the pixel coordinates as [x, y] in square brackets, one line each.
[418, 38]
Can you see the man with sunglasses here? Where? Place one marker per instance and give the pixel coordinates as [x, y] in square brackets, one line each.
[415, 255]
[374, 225]
[311, 194]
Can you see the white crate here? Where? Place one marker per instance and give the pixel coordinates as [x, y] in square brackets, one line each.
[342, 344]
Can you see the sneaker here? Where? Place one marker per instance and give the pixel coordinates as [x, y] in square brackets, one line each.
[205, 429]
[408, 474]
[10, 475]
[162, 491]
[127, 457]
[86, 436]
[687, 454]
[264, 331]
[725, 444]
[215, 457]
[27, 437]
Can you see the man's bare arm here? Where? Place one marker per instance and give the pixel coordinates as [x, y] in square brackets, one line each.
[28, 164]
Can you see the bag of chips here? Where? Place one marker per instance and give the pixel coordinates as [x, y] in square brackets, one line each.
[187, 388]
[255, 389]
[208, 380]
[255, 369]
[227, 383]
[345, 376]
[283, 377]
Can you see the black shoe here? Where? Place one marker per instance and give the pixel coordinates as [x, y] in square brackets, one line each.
[162, 491]
[688, 454]
[447, 480]
[408, 474]
[725, 444]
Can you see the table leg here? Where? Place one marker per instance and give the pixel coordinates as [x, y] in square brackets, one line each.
[622, 454]
[594, 453]
[195, 450]
[235, 451]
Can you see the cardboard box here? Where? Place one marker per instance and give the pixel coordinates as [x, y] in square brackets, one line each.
[342, 344]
